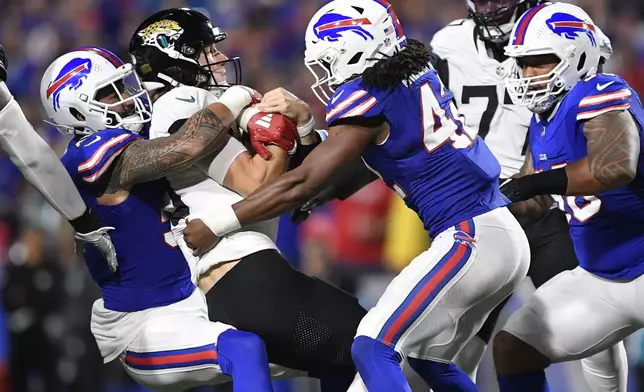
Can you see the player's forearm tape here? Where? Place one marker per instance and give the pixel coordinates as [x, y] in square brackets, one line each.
[551, 182]
[37, 162]
[236, 98]
[222, 222]
[246, 116]
[306, 128]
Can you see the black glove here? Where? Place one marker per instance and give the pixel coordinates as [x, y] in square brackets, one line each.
[3, 65]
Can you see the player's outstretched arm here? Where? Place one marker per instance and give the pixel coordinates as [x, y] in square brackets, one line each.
[205, 132]
[345, 143]
[37, 162]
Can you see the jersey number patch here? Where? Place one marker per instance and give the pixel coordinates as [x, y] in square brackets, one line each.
[439, 125]
[581, 212]
[488, 92]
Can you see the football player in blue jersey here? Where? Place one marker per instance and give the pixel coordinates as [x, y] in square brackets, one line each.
[40, 166]
[386, 103]
[151, 315]
[473, 64]
[586, 140]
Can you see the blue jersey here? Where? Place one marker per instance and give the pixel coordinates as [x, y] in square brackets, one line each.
[430, 158]
[606, 229]
[152, 270]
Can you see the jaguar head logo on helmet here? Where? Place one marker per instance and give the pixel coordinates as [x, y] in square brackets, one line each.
[90, 89]
[162, 34]
[555, 46]
[177, 46]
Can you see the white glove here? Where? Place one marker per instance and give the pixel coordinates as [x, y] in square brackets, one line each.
[101, 240]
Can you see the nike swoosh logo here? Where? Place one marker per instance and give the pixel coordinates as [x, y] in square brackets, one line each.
[98, 137]
[600, 87]
[189, 100]
[336, 97]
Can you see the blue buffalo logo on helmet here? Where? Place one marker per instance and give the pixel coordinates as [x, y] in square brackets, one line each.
[570, 27]
[331, 26]
[70, 76]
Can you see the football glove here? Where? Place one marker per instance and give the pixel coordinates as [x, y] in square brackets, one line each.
[102, 241]
[269, 128]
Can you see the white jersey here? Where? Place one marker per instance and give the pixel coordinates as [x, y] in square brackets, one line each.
[202, 194]
[477, 82]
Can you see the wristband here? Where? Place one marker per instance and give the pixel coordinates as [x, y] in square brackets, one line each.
[550, 182]
[221, 222]
[246, 116]
[306, 128]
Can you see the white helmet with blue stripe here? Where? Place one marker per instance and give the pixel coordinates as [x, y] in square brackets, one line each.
[345, 37]
[560, 29]
[90, 89]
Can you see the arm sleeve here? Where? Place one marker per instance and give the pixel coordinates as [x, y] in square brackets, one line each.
[38, 163]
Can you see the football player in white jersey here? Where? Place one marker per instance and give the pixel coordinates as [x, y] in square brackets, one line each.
[41, 167]
[307, 324]
[470, 59]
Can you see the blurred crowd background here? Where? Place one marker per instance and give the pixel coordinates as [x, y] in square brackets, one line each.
[360, 244]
